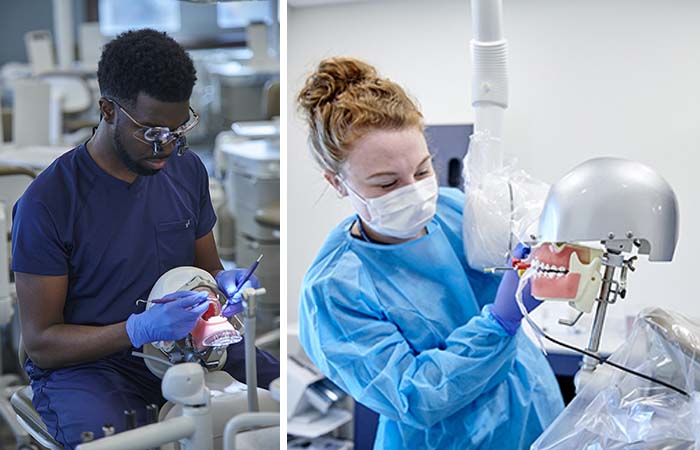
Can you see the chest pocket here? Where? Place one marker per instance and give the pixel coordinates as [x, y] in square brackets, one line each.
[175, 243]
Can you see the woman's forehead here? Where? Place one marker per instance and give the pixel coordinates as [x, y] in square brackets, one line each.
[387, 149]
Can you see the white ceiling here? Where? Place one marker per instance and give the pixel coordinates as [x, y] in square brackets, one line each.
[302, 3]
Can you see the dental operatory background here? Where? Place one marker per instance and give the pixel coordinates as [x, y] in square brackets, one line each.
[586, 79]
[49, 94]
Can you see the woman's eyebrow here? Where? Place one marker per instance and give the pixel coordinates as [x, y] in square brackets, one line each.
[427, 158]
[380, 174]
[388, 173]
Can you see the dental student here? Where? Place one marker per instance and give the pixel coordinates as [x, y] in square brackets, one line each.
[390, 310]
[96, 230]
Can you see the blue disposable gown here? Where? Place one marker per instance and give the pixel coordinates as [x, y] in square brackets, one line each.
[404, 330]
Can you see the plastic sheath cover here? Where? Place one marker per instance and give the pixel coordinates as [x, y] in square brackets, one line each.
[617, 410]
[502, 203]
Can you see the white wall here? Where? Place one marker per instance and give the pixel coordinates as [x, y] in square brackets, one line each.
[588, 78]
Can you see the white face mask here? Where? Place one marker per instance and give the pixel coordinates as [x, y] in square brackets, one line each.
[401, 213]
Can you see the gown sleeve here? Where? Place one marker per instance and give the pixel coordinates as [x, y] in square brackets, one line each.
[347, 336]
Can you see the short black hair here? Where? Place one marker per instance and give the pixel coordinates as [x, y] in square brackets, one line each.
[146, 61]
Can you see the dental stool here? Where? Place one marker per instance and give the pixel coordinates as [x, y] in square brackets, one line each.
[28, 418]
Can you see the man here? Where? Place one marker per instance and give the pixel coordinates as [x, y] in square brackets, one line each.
[98, 227]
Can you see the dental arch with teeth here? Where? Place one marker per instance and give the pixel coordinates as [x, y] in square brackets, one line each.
[567, 272]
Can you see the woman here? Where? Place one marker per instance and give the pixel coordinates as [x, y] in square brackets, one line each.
[390, 311]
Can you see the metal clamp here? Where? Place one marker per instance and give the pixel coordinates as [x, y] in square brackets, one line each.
[613, 259]
[628, 266]
[614, 292]
[571, 322]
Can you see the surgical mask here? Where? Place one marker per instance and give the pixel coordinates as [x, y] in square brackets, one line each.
[402, 213]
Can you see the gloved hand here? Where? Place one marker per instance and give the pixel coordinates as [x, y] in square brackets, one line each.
[167, 321]
[505, 308]
[228, 281]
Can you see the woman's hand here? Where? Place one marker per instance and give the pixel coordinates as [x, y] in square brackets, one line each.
[505, 308]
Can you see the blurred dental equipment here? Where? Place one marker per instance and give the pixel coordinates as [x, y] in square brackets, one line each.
[251, 174]
[314, 403]
[63, 91]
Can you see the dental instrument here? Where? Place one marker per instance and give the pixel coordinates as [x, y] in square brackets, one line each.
[246, 277]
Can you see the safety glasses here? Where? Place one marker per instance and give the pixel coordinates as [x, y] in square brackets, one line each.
[159, 137]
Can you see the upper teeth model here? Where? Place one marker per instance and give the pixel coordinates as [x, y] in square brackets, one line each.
[567, 272]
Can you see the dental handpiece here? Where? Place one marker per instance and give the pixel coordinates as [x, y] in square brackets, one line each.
[497, 269]
[162, 301]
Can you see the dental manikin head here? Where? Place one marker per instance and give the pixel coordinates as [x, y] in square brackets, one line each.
[594, 215]
[622, 203]
[367, 136]
[213, 329]
[212, 333]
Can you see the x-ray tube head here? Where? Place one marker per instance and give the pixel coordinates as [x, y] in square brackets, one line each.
[606, 199]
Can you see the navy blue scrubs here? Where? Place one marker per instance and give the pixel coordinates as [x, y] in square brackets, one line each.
[113, 240]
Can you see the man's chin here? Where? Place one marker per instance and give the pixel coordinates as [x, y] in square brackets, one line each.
[149, 172]
[143, 170]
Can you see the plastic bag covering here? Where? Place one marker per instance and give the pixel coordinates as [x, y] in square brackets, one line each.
[502, 203]
[617, 410]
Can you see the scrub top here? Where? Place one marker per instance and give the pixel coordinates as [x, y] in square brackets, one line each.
[405, 329]
[113, 239]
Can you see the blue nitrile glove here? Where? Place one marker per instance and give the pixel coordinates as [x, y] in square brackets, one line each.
[228, 281]
[167, 321]
[505, 308]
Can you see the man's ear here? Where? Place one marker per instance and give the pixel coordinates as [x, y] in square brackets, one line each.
[334, 180]
[107, 110]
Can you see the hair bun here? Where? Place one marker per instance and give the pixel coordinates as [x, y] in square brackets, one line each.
[333, 77]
